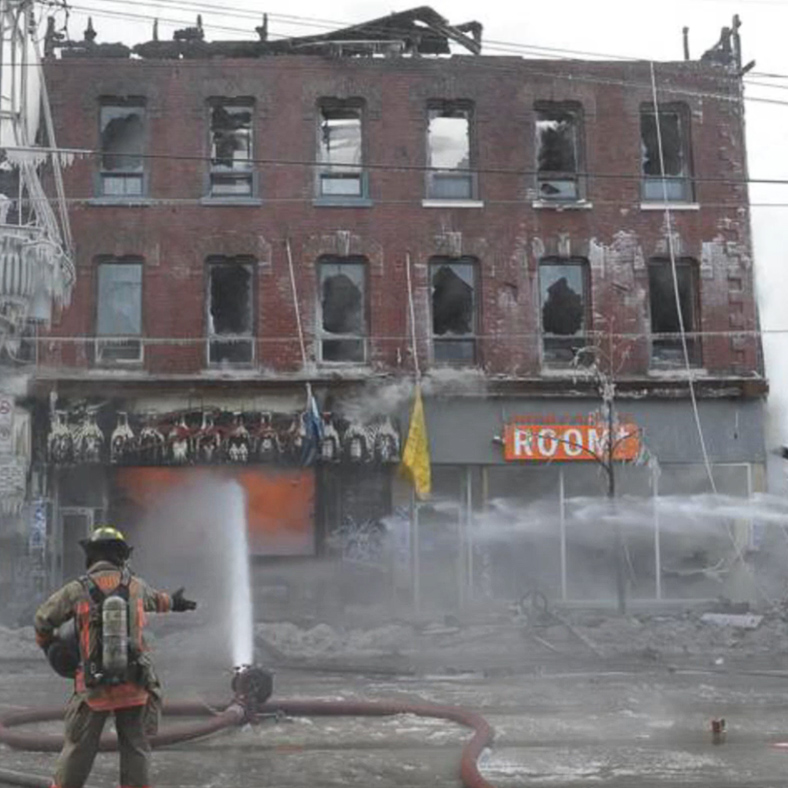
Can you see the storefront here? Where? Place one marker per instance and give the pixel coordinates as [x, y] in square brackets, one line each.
[167, 471]
[519, 500]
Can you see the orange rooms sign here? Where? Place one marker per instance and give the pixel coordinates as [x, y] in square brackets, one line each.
[568, 442]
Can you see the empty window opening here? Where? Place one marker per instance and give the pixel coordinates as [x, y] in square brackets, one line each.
[454, 311]
[342, 311]
[230, 313]
[449, 153]
[674, 180]
[231, 149]
[666, 346]
[119, 313]
[340, 151]
[122, 146]
[557, 152]
[564, 309]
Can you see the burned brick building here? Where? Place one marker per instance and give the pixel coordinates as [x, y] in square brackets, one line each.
[252, 217]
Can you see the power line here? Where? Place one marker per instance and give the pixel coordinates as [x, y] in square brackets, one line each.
[573, 77]
[333, 26]
[273, 162]
[516, 48]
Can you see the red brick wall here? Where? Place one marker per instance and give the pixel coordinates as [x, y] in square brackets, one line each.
[175, 236]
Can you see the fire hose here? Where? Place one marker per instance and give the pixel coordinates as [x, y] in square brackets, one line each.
[250, 702]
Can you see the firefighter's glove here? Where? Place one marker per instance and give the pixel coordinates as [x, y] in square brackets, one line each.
[180, 603]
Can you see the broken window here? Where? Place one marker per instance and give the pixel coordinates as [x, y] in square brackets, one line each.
[122, 127]
[666, 346]
[340, 150]
[449, 152]
[230, 312]
[454, 306]
[558, 151]
[343, 324]
[563, 299]
[669, 126]
[231, 148]
[119, 312]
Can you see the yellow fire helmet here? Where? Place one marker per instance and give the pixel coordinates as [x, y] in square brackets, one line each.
[103, 538]
[106, 533]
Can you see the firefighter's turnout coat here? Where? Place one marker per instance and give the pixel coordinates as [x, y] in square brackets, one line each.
[73, 601]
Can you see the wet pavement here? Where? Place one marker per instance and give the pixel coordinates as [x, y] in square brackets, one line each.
[647, 726]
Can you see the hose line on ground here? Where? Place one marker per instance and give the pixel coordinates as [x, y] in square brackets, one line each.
[235, 714]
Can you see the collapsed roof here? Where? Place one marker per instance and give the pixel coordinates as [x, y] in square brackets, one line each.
[419, 31]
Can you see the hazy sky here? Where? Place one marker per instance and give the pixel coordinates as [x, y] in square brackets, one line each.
[609, 27]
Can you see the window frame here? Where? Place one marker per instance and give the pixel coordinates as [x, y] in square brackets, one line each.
[321, 334]
[575, 108]
[584, 339]
[140, 103]
[687, 178]
[434, 175]
[238, 174]
[102, 341]
[694, 343]
[436, 340]
[322, 168]
[248, 262]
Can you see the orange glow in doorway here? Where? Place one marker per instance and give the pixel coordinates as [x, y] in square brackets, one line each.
[280, 503]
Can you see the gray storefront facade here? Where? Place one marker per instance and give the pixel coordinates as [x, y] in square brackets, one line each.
[497, 528]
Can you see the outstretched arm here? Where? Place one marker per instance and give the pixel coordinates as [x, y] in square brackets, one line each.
[162, 602]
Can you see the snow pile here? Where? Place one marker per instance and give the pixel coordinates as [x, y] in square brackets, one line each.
[18, 643]
[325, 641]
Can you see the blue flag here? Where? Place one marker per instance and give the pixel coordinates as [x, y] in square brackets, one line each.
[312, 427]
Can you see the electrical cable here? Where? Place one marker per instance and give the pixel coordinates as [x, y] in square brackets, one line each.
[335, 26]
[689, 370]
[274, 162]
[674, 273]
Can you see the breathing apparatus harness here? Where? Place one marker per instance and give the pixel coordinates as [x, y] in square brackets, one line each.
[112, 658]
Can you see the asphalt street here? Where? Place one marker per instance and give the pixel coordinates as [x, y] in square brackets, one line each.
[555, 725]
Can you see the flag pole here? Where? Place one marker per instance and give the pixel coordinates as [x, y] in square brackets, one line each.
[296, 306]
[414, 504]
[412, 310]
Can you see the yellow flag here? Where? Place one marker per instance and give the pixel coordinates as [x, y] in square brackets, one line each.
[415, 463]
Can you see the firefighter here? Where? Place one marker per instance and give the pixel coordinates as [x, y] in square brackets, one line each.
[109, 663]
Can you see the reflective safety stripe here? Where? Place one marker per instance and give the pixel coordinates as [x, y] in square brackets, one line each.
[83, 625]
[141, 621]
[118, 696]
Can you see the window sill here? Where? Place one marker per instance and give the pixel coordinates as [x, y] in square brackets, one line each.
[248, 201]
[677, 372]
[344, 364]
[452, 204]
[129, 202]
[564, 371]
[118, 365]
[231, 366]
[575, 205]
[673, 206]
[342, 202]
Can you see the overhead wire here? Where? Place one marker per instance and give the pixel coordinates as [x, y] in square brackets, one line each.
[375, 166]
[675, 277]
[242, 13]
